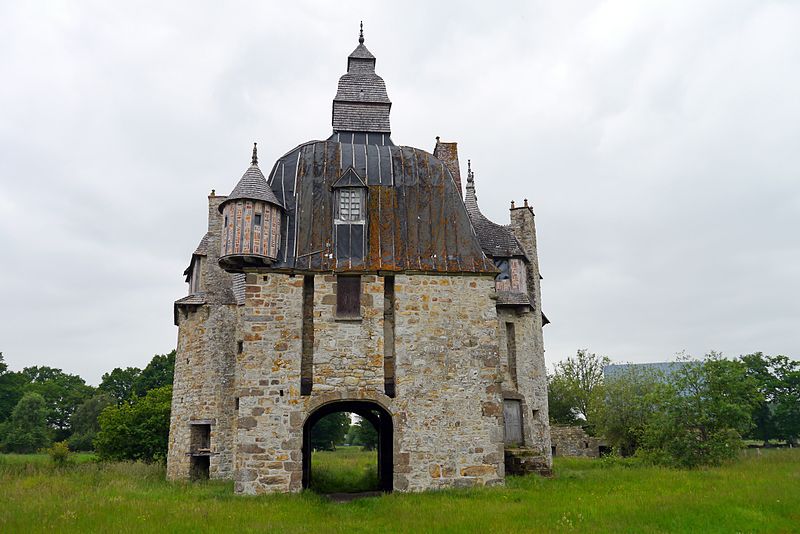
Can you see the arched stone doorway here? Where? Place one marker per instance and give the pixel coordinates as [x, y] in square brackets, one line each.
[370, 411]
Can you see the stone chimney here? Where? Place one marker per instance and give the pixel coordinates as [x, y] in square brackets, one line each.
[524, 228]
[448, 153]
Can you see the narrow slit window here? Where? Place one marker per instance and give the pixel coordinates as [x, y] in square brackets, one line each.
[511, 346]
[388, 336]
[307, 352]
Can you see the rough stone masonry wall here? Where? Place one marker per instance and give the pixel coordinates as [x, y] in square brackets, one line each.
[531, 374]
[269, 435]
[524, 228]
[348, 354]
[574, 441]
[201, 389]
[204, 366]
[449, 427]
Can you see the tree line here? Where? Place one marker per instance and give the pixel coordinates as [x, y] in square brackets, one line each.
[126, 416]
[688, 413]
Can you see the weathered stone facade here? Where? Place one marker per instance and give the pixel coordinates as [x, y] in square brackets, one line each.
[435, 346]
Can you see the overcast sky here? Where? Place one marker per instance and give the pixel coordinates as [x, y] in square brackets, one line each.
[659, 144]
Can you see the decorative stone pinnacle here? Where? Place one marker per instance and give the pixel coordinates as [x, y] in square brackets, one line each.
[526, 202]
[361, 34]
[254, 161]
[437, 138]
[470, 175]
[512, 205]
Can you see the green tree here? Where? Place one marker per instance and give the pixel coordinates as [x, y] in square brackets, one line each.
[561, 400]
[119, 383]
[26, 430]
[704, 410]
[364, 434]
[629, 402]
[777, 414]
[330, 431]
[12, 387]
[787, 401]
[577, 383]
[62, 392]
[85, 422]
[136, 431]
[158, 373]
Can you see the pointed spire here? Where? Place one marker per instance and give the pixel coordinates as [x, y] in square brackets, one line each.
[361, 34]
[254, 161]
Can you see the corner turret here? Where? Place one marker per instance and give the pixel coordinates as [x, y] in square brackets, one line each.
[251, 227]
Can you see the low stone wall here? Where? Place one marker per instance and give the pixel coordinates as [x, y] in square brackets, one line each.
[574, 441]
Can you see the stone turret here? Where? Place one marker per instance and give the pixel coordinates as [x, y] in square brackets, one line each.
[251, 227]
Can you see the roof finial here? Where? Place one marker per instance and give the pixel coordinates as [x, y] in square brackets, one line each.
[470, 175]
[255, 154]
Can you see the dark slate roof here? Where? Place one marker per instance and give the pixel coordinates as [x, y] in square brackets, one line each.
[252, 186]
[513, 298]
[196, 299]
[350, 178]
[361, 52]
[361, 103]
[238, 287]
[496, 240]
[416, 218]
[202, 248]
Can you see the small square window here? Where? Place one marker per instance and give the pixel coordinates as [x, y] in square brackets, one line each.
[257, 219]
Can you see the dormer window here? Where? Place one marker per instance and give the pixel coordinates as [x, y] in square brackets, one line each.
[349, 217]
[350, 205]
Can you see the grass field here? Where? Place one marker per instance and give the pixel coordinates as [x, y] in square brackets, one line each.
[346, 470]
[756, 494]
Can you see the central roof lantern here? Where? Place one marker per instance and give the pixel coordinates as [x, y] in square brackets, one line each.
[361, 106]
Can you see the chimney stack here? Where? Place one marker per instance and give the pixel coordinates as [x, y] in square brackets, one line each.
[448, 153]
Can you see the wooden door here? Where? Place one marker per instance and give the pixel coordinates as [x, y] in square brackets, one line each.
[512, 412]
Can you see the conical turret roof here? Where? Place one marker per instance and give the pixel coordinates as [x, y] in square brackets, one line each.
[253, 185]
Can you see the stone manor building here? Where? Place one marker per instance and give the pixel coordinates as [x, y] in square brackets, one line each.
[359, 277]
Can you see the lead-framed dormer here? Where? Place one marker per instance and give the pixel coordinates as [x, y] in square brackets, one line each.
[350, 217]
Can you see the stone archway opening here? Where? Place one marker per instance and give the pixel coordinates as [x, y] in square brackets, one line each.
[369, 411]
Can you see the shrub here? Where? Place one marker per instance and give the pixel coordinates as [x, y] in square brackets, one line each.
[59, 453]
[136, 431]
[702, 414]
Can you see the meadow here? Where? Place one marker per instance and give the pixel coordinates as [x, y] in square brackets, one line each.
[759, 493]
[345, 470]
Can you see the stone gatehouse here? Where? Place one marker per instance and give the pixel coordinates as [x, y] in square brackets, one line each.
[359, 276]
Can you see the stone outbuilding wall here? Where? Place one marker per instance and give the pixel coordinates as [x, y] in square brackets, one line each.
[574, 441]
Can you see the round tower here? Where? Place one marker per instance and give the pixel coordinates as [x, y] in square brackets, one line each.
[251, 222]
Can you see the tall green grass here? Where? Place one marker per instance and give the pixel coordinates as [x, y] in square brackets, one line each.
[345, 470]
[756, 494]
